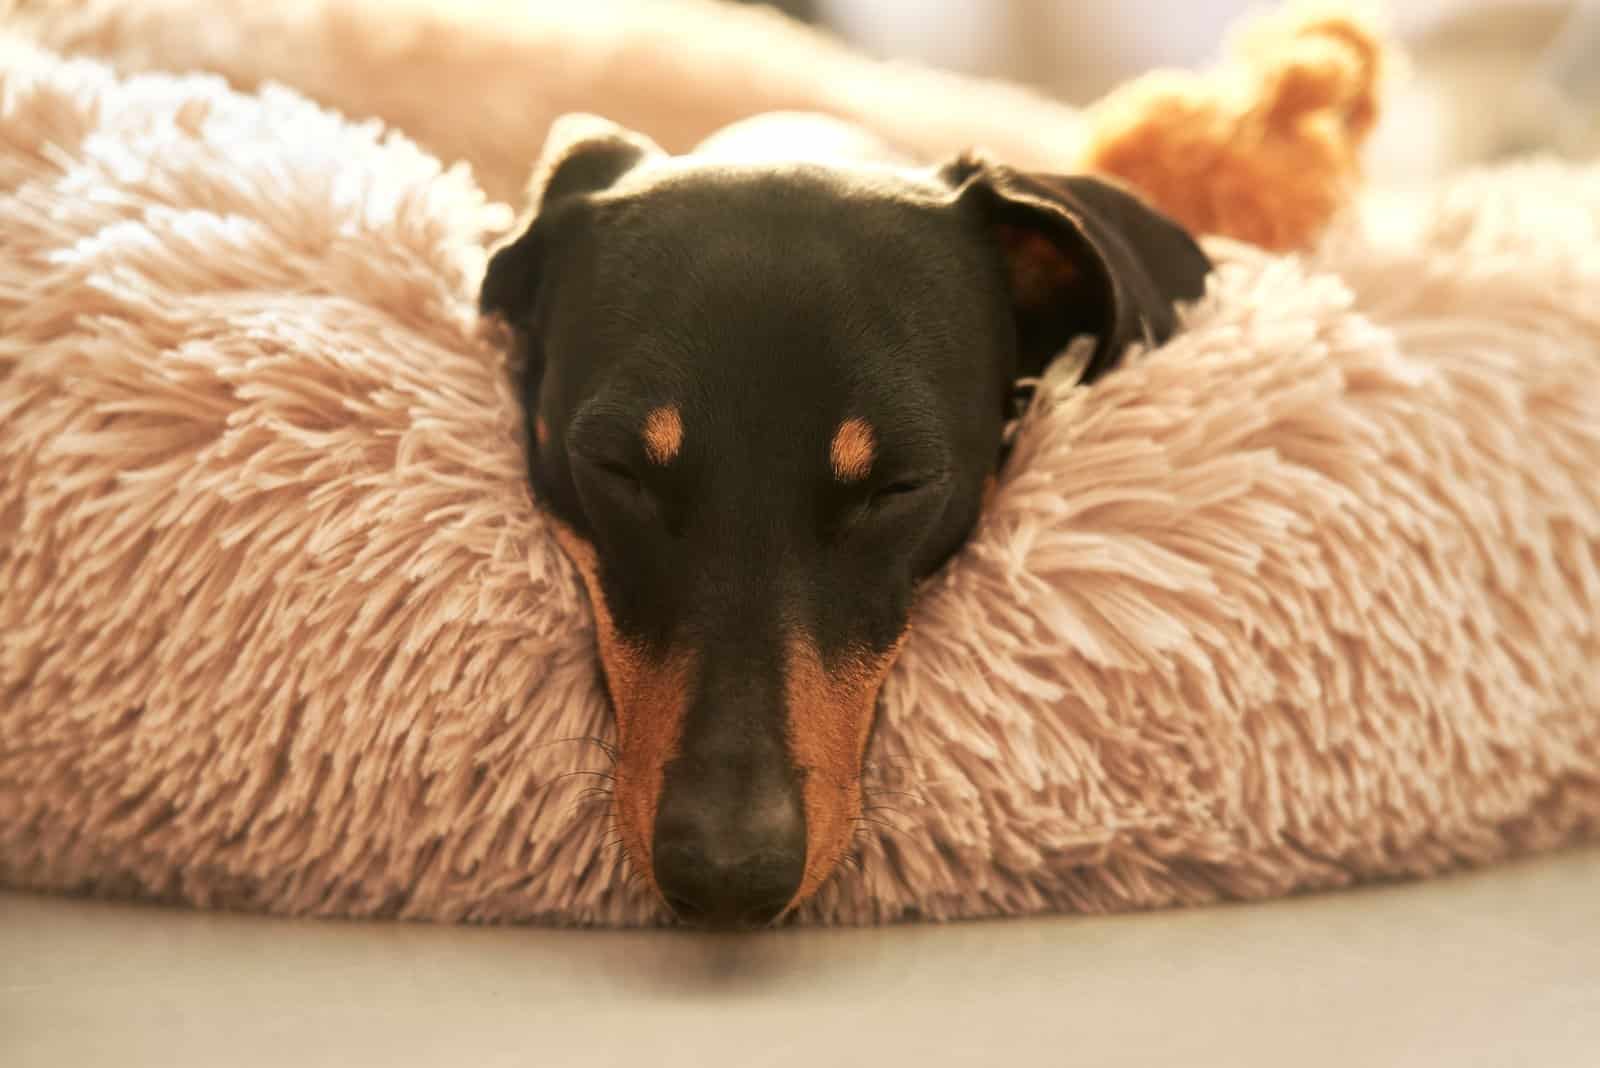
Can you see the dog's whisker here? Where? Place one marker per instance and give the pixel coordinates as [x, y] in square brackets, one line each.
[591, 801]
[885, 811]
[886, 825]
[594, 772]
[607, 747]
[583, 804]
[884, 768]
[880, 809]
[852, 860]
[915, 795]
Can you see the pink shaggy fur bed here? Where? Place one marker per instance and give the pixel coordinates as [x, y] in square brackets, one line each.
[1309, 595]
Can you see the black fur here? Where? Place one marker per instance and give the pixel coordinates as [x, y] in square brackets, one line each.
[769, 305]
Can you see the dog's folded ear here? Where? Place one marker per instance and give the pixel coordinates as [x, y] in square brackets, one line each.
[1080, 256]
[582, 154]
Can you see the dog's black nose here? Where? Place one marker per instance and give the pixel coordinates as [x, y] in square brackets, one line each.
[728, 865]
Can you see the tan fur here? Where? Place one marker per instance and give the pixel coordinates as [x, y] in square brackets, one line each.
[663, 435]
[1267, 149]
[852, 450]
[648, 698]
[830, 718]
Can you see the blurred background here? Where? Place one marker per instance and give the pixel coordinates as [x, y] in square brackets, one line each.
[1487, 78]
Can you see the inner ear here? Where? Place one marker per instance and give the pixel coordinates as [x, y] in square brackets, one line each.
[1079, 256]
[1057, 287]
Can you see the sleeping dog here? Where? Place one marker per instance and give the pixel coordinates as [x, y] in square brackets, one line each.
[767, 384]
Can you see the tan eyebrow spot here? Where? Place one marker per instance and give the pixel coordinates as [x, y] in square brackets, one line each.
[541, 431]
[663, 434]
[852, 450]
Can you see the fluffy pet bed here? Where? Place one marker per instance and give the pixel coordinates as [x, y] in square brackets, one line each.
[1263, 148]
[1306, 596]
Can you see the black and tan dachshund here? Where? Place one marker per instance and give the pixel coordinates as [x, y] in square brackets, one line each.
[765, 400]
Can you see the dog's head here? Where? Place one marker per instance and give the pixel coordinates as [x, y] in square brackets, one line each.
[763, 403]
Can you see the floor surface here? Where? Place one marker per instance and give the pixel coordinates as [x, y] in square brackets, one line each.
[1493, 968]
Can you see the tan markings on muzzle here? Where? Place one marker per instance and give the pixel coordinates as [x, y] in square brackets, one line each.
[990, 486]
[648, 698]
[853, 449]
[830, 720]
[663, 435]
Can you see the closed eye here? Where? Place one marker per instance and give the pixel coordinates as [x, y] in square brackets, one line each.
[903, 496]
[902, 488]
[617, 481]
[621, 475]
